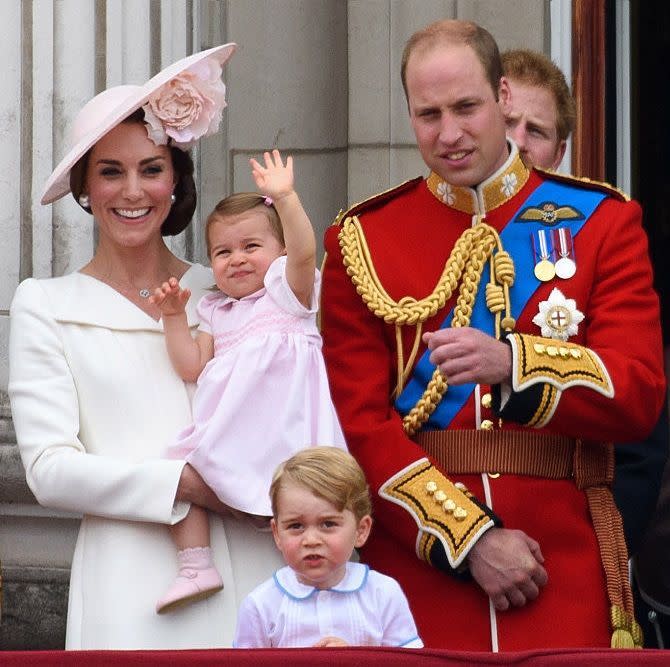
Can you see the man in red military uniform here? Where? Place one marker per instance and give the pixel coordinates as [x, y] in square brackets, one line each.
[488, 331]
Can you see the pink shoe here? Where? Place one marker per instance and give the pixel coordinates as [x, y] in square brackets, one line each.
[197, 579]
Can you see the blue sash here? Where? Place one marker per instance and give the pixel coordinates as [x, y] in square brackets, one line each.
[516, 239]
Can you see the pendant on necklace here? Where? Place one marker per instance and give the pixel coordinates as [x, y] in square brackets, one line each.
[145, 293]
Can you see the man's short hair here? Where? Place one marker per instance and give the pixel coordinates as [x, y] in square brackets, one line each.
[535, 69]
[451, 32]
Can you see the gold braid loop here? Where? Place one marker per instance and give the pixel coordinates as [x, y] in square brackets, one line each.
[426, 405]
[465, 265]
[357, 260]
[467, 293]
[465, 302]
[503, 270]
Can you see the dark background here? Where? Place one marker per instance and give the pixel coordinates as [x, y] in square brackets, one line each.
[650, 131]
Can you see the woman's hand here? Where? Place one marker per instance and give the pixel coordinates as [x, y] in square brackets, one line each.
[192, 488]
[275, 179]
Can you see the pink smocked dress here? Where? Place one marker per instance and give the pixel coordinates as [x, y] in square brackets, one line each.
[263, 396]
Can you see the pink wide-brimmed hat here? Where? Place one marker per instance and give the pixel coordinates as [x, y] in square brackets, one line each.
[181, 103]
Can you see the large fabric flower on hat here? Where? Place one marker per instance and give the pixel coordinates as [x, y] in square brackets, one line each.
[187, 107]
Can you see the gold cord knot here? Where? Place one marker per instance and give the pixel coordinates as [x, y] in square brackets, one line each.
[507, 324]
[495, 298]
[504, 268]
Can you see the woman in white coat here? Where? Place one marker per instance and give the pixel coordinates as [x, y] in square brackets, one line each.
[94, 398]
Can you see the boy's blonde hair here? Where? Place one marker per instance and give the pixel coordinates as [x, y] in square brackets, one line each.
[329, 473]
[241, 202]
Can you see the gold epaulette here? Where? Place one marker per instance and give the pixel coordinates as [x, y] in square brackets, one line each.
[582, 181]
[375, 200]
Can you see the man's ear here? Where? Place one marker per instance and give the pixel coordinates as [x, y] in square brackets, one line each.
[560, 152]
[504, 95]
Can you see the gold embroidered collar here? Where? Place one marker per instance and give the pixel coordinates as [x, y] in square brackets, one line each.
[493, 192]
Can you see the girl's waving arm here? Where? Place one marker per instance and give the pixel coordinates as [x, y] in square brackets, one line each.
[275, 180]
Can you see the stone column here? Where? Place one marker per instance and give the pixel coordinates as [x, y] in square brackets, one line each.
[57, 55]
[291, 92]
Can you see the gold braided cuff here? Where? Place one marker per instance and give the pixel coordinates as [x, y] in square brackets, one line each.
[440, 509]
[560, 364]
[424, 545]
[545, 410]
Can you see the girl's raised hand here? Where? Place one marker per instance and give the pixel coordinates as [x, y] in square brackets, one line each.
[170, 297]
[275, 179]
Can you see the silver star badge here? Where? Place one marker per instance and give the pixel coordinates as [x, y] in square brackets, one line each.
[558, 317]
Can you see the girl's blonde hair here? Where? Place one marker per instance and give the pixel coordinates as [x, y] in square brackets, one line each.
[241, 202]
[329, 473]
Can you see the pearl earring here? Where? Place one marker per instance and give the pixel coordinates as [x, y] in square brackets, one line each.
[84, 201]
[173, 197]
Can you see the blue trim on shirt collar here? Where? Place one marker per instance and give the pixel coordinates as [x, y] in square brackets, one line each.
[354, 579]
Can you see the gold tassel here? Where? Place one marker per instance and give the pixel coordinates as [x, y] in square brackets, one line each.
[627, 632]
[622, 639]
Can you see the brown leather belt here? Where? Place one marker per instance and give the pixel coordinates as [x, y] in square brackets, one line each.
[520, 453]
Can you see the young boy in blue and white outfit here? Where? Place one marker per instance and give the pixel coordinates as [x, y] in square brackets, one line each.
[321, 512]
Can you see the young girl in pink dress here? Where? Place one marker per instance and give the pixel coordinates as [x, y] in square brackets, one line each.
[262, 391]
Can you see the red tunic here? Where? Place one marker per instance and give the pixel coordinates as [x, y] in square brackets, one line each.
[410, 233]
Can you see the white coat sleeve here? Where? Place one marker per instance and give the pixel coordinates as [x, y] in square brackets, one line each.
[45, 411]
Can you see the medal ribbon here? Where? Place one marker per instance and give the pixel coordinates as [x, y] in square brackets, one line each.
[563, 245]
[514, 238]
[542, 239]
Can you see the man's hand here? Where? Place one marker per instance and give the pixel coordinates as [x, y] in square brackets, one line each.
[468, 355]
[507, 564]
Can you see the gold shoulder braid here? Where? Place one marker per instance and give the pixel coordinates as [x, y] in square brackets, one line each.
[583, 181]
[477, 245]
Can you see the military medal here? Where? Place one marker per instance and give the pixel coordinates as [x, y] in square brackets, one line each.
[565, 266]
[544, 267]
